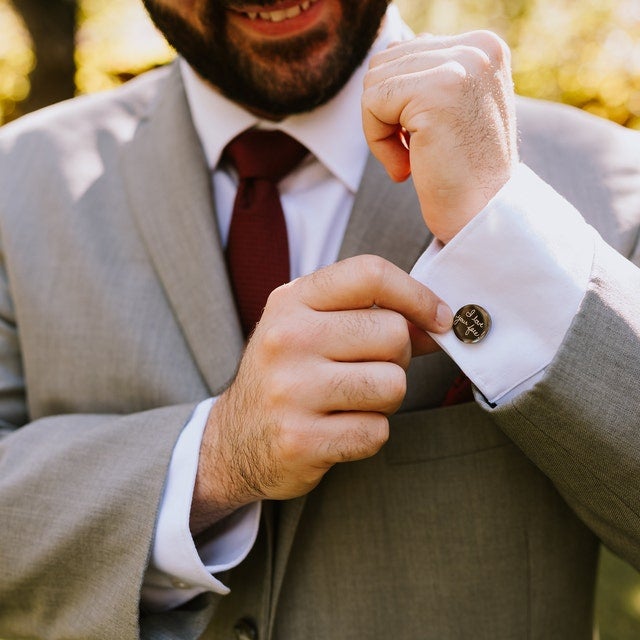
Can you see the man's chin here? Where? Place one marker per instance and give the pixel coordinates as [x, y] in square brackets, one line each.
[278, 80]
[278, 76]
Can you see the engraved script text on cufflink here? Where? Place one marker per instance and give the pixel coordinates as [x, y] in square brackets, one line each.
[471, 323]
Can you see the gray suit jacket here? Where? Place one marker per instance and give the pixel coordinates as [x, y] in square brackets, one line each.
[116, 317]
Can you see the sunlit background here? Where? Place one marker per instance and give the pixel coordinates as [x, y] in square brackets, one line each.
[582, 52]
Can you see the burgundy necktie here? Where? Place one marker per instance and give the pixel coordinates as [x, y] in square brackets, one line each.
[459, 392]
[257, 248]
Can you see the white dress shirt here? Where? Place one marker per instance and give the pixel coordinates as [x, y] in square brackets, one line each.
[525, 258]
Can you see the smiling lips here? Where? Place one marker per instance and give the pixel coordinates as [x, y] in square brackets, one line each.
[280, 15]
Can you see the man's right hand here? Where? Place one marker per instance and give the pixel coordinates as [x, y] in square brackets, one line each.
[323, 370]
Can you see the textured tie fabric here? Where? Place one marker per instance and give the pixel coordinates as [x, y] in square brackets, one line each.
[257, 248]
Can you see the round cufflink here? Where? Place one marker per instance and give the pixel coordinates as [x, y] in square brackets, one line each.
[471, 323]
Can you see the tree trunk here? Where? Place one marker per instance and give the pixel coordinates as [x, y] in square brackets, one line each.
[52, 26]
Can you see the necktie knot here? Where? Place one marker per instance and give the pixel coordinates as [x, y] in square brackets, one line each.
[269, 155]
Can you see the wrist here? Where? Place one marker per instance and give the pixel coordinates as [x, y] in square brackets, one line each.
[216, 494]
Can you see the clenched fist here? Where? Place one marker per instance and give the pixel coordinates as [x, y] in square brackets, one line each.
[452, 98]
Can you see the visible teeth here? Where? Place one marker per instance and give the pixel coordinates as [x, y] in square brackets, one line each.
[293, 12]
[281, 14]
[275, 16]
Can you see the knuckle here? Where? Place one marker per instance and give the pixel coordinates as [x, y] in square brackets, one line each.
[377, 59]
[396, 386]
[368, 80]
[492, 45]
[323, 280]
[276, 338]
[432, 40]
[399, 332]
[396, 333]
[379, 430]
[271, 339]
[278, 297]
[373, 269]
[453, 75]
[374, 434]
[479, 59]
[372, 111]
[363, 439]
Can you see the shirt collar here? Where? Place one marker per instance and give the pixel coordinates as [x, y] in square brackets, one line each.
[344, 152]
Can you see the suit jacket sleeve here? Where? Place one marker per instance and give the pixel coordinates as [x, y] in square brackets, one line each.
[97, 379]
[78, 500]
[581, 423]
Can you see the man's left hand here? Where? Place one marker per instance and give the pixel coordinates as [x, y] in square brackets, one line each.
[452, 99]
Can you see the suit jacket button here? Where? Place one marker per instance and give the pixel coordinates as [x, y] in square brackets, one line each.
[245, 629]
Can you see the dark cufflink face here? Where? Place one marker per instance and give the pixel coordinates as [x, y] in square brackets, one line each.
[471, 323]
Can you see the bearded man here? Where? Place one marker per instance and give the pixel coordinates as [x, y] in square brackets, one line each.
[187, 453]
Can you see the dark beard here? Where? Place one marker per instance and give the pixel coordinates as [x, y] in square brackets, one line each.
[246, 75]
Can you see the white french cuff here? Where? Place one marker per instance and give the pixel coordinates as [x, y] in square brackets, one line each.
[177, 570]
[526, 258]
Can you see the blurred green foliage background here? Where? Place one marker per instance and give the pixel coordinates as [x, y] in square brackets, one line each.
[581, 52]
[585, 53]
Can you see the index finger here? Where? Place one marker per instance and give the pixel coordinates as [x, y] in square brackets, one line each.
[366, 281]
[489, 42]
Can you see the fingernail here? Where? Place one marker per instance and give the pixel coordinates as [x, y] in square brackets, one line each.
[444, 316]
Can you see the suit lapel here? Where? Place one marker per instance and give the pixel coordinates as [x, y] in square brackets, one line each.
[172, 203]
[385, 221]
